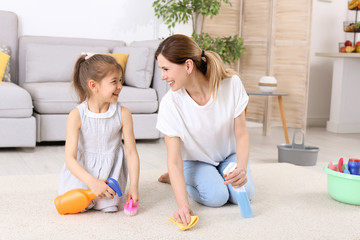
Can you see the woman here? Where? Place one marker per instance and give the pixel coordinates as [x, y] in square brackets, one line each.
[203, 121]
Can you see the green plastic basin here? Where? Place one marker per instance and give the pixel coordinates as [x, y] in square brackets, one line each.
[343, 187]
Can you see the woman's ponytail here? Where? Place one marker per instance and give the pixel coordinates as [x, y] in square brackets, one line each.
[216, 71]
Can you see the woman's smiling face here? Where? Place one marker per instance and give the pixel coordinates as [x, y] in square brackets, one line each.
[174, 74]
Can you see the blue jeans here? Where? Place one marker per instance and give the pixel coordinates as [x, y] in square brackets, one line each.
[205, 183]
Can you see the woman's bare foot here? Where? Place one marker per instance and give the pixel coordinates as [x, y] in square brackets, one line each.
[164, 178]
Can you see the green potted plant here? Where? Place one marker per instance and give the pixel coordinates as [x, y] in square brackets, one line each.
[173, 12]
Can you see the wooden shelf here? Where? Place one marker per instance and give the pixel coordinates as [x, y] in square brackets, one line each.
[343, 55]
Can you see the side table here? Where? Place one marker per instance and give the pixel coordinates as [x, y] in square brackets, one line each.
[267, 112]
[345, 105]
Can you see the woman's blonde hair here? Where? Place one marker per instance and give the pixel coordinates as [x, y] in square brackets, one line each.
[95, 67]
[179, 48]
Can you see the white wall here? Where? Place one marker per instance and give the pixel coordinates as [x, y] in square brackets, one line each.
[128, 20]
[133, 20]
[327, 31]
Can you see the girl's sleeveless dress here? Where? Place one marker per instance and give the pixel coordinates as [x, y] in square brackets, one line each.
[100, 152]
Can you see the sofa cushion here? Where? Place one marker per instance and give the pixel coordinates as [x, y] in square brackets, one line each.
[52, 97]
[120, 58]
[54, 63]
[139, 67]
[61, 98]
[4, 59]
[139, 100]
[15, 102]
[5, 72]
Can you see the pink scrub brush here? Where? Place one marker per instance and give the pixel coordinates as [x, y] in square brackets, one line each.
[129, 209]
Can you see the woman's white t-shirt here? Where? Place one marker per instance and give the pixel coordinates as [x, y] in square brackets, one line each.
[207, 132]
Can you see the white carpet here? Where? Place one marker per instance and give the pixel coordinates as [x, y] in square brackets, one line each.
[290, 202]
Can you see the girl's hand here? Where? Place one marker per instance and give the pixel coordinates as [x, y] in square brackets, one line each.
[134, 194]
[101, 189]
[182, 215]
[236, 178]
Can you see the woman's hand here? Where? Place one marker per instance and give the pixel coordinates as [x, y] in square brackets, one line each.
[182, 215]
[101, 189]
[236, 178]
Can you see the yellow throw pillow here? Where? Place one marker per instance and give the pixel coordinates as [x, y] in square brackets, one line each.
[120, 58]
[4, 58]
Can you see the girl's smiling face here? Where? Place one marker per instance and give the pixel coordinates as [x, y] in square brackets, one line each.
[110, 87]
[174, 74]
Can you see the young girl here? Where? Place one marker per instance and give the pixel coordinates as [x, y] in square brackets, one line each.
[93, 150]
[203, 120]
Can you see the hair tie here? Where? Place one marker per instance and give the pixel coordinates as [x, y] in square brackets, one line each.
[87, 55]
[203, 67]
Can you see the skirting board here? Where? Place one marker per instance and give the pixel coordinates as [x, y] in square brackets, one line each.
[342, 128]
[317, 121]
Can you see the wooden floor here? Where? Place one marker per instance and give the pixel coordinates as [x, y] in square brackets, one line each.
[49, 157]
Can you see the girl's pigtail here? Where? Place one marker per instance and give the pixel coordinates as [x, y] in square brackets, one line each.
[78, 84]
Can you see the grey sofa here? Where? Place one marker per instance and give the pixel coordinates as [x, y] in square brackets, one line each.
[17, 124]
[42, 70]
[45, 71]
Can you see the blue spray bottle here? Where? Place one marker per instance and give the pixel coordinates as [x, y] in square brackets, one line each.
[242, 198]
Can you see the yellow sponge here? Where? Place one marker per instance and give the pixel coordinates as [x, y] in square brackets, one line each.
[193, 221]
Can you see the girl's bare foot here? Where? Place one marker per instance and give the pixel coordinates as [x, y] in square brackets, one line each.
[164, 178]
